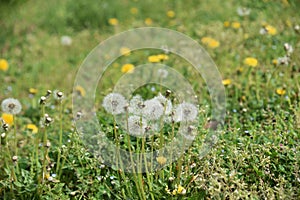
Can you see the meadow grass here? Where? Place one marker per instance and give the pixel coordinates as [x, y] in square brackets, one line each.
[257, 154]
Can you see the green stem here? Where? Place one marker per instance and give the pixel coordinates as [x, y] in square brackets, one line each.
[60, 137]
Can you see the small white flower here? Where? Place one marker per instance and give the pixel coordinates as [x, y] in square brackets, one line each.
[11, 106]
[66, 40]
[136, 125]
[153, 109]
[185, 112]
[243, 11]
[166, 103]
[136, 105]
[114, 103]
[162, 73]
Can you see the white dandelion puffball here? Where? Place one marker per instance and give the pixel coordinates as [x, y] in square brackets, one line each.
[162, 73]
[11, 106]
[153, 109]
[166, 103]
[114, 103]
[185, 112]
[243, 11]
[66, 40]
[136, 125]
[136, 105]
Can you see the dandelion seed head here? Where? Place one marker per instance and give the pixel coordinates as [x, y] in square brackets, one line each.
[66, 40]
[153, 109]
[185, 112]
[243, 11]
[114, 103]
[136, 105]
[136, 125]
[11, 106]
[166, 103]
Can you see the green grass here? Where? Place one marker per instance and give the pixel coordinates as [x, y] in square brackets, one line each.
[257, 155]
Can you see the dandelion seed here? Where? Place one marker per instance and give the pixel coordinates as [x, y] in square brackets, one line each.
[4, 65]
[185, 112]
[8, 118]
[66, 40]
[166, 103]
[243, 11]
[114, 103]
[11, 106]
[136, 105]
[136, 125]
[153, 109]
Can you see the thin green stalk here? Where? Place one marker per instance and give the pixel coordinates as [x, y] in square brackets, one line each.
[60, 136]
[180, 161]
[16, 140]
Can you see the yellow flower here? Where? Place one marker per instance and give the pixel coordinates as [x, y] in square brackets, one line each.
[235, 25]
[127, 68]
[32, 127]
[280, 91]
[148, 21]
[32, 90]
[171, 13]
[210, 42]
[161, 160]
[174, 192]
[3, 65]
[252, 62]
[270, 30]
[181, 190]
[8, 118]
[113, 21]
[47, 175]
[133, 10]
[226, 82]
[80, 90]
[125, 51]
[275, 62]
[163, 57]
[153, 59]
[226, 24]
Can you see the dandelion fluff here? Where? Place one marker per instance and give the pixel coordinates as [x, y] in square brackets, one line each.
[153, 109]
[136, 105]
[185, 112]
[11, 106]
[166, 103]
[114, 103]
[136, 125]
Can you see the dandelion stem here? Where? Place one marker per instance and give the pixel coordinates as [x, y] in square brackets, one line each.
[60, 136]
[16, 140]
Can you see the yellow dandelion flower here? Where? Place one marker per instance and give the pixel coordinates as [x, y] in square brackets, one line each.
[8, 118]
[125, 51]
[80, 90]
[154, 59]
[252, 62]
[134, 11]
[226, 82]
[226, 24]
[47, 175]
[161, 160]
[181, 190]
[275, 62]
[32, 90]
[270, 30]
[148, 21]
[32, 127]
[127, 68]
[236, 25]
[3, 65]
[163, 57]
[174, 192]
[244, 98]
[113, 21]
[210, 42]
[280, 91]
[171, 13]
